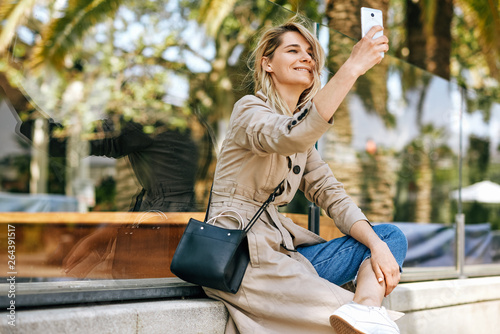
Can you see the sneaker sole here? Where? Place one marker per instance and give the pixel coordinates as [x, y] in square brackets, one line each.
[343, 327]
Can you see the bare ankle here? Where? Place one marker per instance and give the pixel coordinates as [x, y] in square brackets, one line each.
[367, 301]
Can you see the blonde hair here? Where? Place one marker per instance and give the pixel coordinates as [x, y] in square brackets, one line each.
[266, 47]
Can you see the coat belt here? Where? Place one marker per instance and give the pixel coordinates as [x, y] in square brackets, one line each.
[229, 200]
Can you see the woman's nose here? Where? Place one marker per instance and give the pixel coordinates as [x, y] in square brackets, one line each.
[306, 57]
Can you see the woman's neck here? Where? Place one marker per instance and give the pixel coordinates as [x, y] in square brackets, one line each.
[290, 97]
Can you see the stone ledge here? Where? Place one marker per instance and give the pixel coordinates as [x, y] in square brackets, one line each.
[452, 306]
[458, 306]
[169, 317]
[410, 297]
[474, 318]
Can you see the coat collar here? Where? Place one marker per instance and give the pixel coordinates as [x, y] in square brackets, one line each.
[264, 98]
[261, 95]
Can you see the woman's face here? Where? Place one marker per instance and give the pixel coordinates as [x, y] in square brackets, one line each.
[292, 64]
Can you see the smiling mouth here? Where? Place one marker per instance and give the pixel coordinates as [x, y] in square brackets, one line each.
[302, 69]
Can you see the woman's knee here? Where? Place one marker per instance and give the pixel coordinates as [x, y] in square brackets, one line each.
[394, 238]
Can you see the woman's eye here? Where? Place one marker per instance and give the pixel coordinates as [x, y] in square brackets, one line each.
[293, 51]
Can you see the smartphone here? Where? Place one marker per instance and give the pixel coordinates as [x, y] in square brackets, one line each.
[371, 17]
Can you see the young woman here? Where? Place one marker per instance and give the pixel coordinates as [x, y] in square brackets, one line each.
[292, 282]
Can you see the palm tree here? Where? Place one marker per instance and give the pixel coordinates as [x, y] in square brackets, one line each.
[60, 36]
[13, 14]
[484, 16]
[428, 26]
[429, 35]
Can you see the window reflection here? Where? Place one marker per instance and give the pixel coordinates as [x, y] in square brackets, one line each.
[164, 160]
[165, 164]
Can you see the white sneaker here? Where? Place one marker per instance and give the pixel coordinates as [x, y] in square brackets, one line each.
[354, 318]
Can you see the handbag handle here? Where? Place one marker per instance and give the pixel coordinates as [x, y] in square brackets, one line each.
[144, 216]
[222, 214]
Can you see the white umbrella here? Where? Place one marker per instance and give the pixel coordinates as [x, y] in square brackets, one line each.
[483, 192]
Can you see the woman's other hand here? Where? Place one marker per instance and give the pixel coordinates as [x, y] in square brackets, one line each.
[95, 247]
[385, 266]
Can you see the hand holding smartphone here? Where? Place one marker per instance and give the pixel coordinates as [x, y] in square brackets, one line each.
[371, 17]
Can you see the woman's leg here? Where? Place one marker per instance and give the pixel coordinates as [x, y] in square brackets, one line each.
[368, 290]
[343, 259]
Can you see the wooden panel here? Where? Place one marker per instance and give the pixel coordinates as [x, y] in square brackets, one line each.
[328, 230]
[44, 240]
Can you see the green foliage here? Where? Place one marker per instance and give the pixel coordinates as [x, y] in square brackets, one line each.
[428, 148]
[478, 158]
[105, 194]
[62, 34]
[476, 53]
[12, 15]
[212, 13]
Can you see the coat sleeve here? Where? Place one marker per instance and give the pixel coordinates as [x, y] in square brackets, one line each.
[321, 187]
[260, 129]
[130, 139]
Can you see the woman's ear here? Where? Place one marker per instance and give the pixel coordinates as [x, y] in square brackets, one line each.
[266, 66]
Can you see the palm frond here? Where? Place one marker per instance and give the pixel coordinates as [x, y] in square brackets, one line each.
[485, 17]
[13, 14]
[62, 34]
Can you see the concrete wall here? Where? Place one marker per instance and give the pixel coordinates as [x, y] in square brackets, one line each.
[439, 307]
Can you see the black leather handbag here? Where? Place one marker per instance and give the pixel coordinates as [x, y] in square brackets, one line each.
[213, 256]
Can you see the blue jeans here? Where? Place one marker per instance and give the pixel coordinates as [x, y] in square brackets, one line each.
[338, 260]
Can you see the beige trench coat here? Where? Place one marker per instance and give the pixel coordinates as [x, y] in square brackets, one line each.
[281, 291]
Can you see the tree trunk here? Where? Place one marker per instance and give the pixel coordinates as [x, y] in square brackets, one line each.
[39, 165]
[423, 201]
[430, 47]
[416, 38]
[338, 151]
[439, 42]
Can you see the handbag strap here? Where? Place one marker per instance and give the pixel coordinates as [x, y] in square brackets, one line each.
[258, 213]
[208, 206]
[263, 207]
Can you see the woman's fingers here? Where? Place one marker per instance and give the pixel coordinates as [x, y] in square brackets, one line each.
[392, 277]
[77, 254]
[373, 31]
[385, 266]
[367, 52]
[391, 282]
[378, 272]
[72, 260]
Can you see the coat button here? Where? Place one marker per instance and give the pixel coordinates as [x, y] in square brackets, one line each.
[294, 122]
[296, 169]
